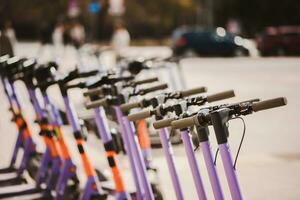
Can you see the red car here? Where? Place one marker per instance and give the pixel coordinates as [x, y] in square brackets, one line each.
[283, 40]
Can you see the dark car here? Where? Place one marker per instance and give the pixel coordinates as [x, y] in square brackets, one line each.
[207, 42]
[283, 40]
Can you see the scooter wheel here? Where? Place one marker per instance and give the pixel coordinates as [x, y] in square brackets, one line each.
[157, 193]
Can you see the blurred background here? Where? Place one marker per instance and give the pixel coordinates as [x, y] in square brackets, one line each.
[271, 24]
[252, 47]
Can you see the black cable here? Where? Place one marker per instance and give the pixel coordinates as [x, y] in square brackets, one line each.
[216, 156]
[241, 142]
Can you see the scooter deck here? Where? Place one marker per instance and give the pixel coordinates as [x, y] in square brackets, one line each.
[13, 181]
[37, 196]
[17, 190]
[9, 175]
[7, 170]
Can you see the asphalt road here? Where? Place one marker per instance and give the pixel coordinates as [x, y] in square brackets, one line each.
[269, 162]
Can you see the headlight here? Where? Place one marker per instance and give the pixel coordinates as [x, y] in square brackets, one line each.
[221, 32]
[238, 40]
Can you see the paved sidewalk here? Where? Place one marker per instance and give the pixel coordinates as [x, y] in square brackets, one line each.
[269, 163]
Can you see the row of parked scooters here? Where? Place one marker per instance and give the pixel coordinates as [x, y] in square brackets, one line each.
[128, 102]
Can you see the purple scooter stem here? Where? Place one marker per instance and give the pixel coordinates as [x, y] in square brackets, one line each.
[219, 121]
[137, 152]
[102, 125]
[19, 141]
[55, 173]
[188, 146]
[211, 169]
[56, 162]
[92, 187]
[13, 90]
[17, 146]
[135, 173]
[43, 169]
[146, 151]
[4, 84]
[62, 182]
[46, 158]
[56, 165]
[26, 156]
[71, 114]
[103, 129]
[28, 144]
[68, 170]
[203, 136]
[167, 147]
[13, 101]
[230, 172]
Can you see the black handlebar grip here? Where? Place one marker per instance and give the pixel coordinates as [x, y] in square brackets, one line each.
[193, 91]
[125, 78]
[268, 104]
[155, 88]
[46, 84]
[139, 115]
[128, 106]
[185, 122]
[95, 104]
[92, 92]
[149, 80]
[77, 85]
[87, 74]
[250, 101]
[163, 123]
[220, 96]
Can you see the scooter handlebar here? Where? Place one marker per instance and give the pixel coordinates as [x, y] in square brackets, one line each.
[185, 122]
[268, 104]
[91, 92]
[74, 74]
[154, 88]
[96, 91]
[97, 103]
[163, 123]
[88, 74]
[139, 115]
[149, 80]
[263, 105]
[220, 96]
[193, 91]
[128, 106]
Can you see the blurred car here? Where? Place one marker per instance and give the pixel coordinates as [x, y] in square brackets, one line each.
[207, 42]
[283, 40]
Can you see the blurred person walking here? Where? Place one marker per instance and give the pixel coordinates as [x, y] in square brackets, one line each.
[57, 35]
[5, 43]
[120, 40]
[66, 34]
[45, 39]
[77, 33]
[58, 40]
[11, 34]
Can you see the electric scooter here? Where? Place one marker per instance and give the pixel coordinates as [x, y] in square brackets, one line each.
[218, 117]
[162, 110]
